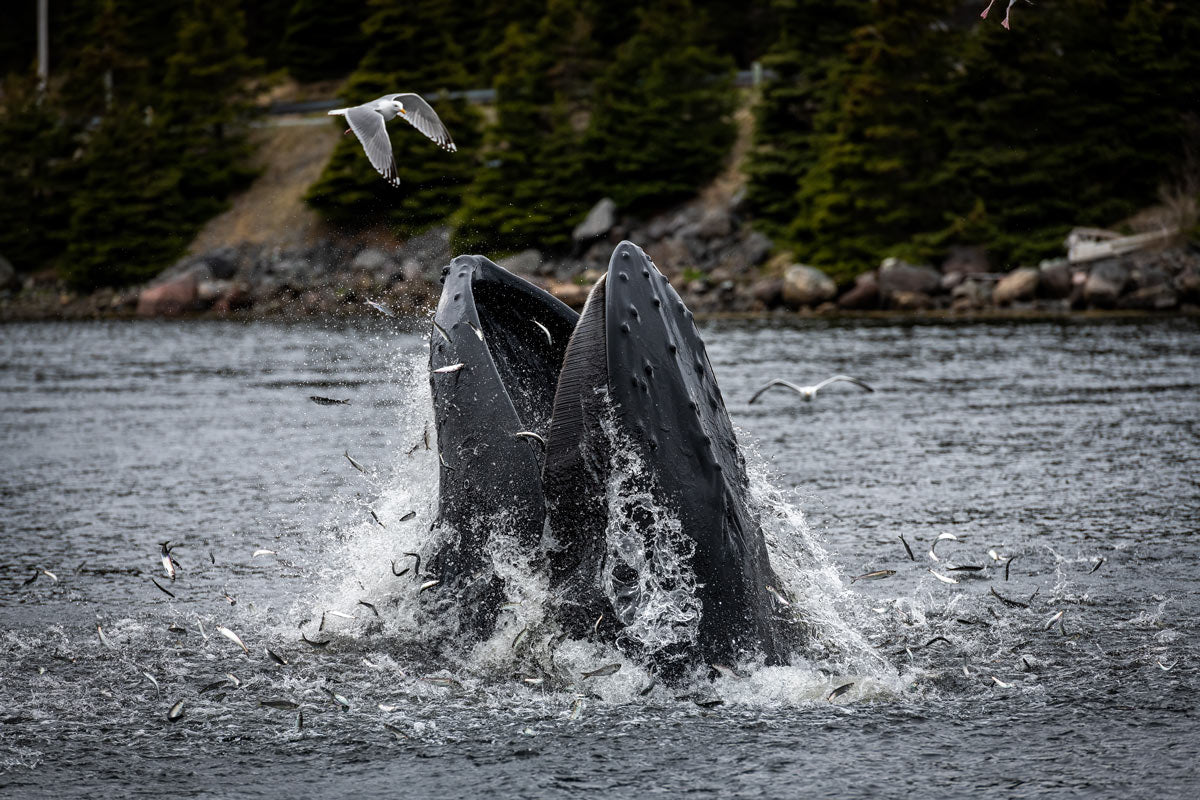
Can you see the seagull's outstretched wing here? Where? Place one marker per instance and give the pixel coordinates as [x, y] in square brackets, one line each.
[837, 378]
[776, 382]
[421, 116]
[368, 126]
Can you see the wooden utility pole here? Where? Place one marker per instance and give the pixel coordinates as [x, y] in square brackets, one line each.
[43, 54]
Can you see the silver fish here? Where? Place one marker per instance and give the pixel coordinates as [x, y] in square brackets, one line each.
[258, 553]
[233, 680]
[54, 577]
[282, 705]
[1007, 602]
[337, 698]
[300, 720]
[726, 672]
[104, 639]
[531, 435]
[839, 691]
[175, 713]
[315, 644]
[448, 683]
[534, 681]
[371, 606]
[399, 734]
[576, 708]
[381, 308]
[942, 578]
[907, 549]
[408, 516]
[1001, 683]
[877, 575]
[441, 330]
[545, 330]
[328, 401]
[606, 670]
[211, 687]
[375, 517]
[448, 369]
[355, 464]
[168, 562]
[1050, 622]
[233, 637]
[153, 680]
[518, 637]
[163, 589]
[388, 709]
[278, 659]
[429, 585]
[478, 332]
[783, 601]
[341, 614]
[941, 538]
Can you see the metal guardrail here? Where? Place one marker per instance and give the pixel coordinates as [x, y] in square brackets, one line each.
[743, 79]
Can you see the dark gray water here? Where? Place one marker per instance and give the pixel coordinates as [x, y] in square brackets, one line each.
[1072, 449]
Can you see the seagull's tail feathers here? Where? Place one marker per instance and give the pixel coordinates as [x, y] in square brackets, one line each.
[338, 112]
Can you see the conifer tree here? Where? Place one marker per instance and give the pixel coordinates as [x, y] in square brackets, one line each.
[661, 122]
[413, 48]
[323, 38]
[125, 221]
[813, 35]
[37, 175]
[203, 106]
[877, 141]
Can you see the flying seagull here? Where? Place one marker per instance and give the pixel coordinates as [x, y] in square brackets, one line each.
[807, 393]
[368, 122]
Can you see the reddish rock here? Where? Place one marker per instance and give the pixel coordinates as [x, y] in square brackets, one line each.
[166, 299]
[864, 295]
[572, 294]
[897, 276]
[768, 291]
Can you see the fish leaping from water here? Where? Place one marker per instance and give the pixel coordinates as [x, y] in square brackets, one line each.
[807, 393]
[369, 123]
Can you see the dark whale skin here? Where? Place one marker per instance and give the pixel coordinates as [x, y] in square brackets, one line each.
[487, 475]
[637, 341]
[635, 356]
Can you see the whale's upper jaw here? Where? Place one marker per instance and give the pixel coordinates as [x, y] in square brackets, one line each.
[636, 354]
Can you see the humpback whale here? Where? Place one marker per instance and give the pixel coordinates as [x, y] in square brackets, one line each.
[539, 409]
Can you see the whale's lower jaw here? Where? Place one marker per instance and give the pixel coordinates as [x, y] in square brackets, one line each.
[627, 385]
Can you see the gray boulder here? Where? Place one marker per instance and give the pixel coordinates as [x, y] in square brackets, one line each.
[807, 286]
[430, 249]
[1159, 297]
[8, 275]
[899, 276]
[525, 262]
[1187, 283]
[715, 223]
[756, 246]
[768, 291]
[970, 295]
[1055, 279]
[1105, 283]
[1019, 285]
[598, 222]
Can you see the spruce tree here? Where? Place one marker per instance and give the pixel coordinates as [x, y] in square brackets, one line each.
[813, 35]
[125, 223]
[414, 48]
[661, 123]
[877, 141]
[323, 38]
[204, 108]
[38, 175]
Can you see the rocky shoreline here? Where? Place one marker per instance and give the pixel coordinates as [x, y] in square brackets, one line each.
[717, 262]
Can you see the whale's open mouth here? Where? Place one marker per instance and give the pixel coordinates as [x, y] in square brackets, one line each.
[632, 363]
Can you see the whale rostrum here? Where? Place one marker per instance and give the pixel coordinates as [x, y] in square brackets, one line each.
[549, 409]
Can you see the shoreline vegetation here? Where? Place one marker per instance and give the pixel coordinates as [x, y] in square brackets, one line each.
[870, 156]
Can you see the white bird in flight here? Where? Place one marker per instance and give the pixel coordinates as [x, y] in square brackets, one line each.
[369, 123]
[807, 393]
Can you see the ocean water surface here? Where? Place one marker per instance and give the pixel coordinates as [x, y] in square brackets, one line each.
[1062, 457]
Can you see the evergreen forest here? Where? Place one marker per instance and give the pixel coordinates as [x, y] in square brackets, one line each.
[881, 127]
